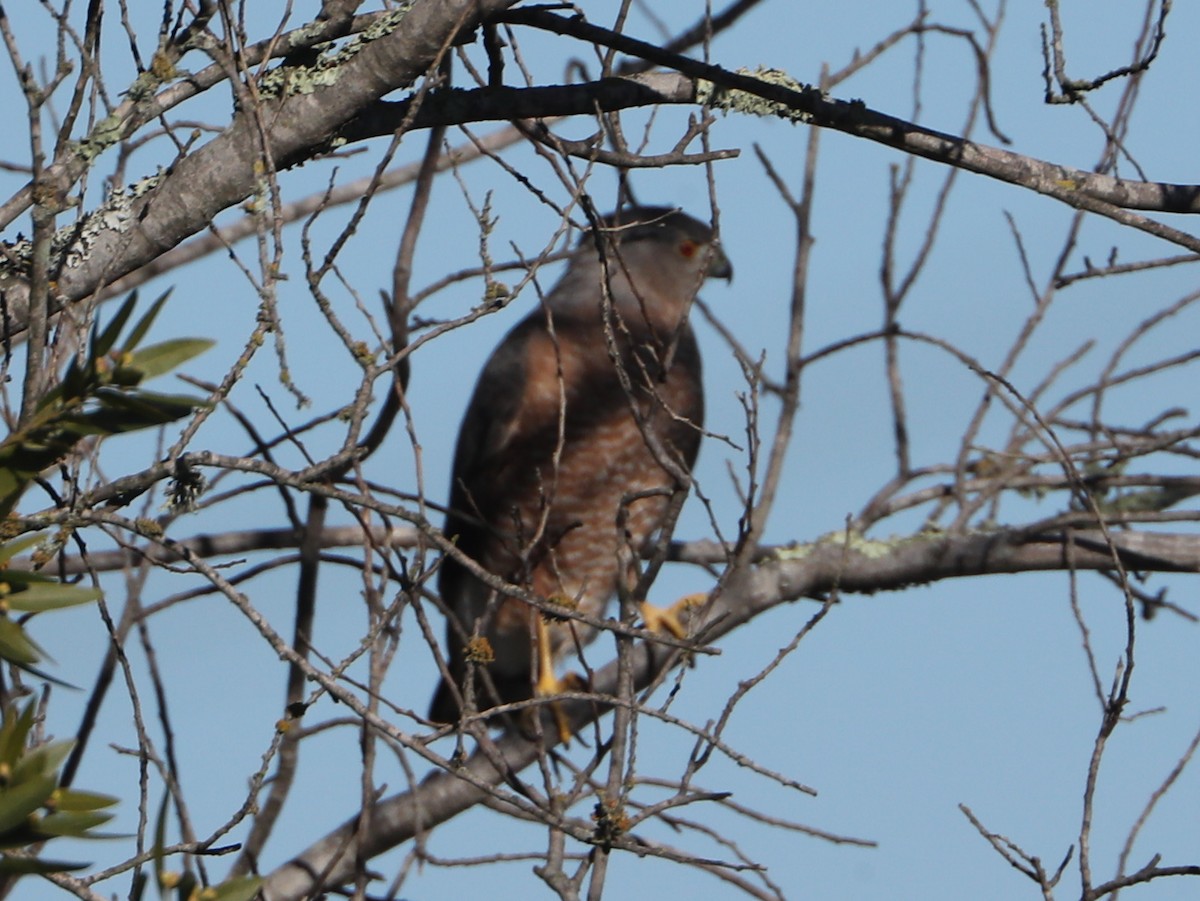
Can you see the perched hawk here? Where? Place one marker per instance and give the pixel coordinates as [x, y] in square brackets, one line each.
[585, 420]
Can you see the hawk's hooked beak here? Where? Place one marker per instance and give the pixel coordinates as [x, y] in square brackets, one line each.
[719, 265]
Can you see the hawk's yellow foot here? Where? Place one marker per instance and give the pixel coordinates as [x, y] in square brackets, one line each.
[549, 686]
[667, 619]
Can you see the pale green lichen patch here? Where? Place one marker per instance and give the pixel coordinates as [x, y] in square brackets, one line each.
[794, 551]
[72, 244]
[732, 100]
[326, 69]
[870, 548]
[103, 135]
[854, 542]
[111, 129]
[144, 86]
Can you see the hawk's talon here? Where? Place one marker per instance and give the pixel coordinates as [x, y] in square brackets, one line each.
[667, 619]
[550, 687]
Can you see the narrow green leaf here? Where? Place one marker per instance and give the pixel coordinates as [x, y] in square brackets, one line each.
[182, 401]
[10, 549]
[12, 487]
[19, 579]
[163, 404]
[43, 760]
[160, 842]
[76, 800]
[126, 377]
[14, 732]
[158, 359]
[242, 888]
[143, 326]
[137, 887]
[75, 426]
[36, 866]
[17, 647]
[76, 824]
[74, 384]
[123, 412]
[44, 676]
[155, 408]
[187, 886]
[103, 341]
[53, 596]
[19, 801]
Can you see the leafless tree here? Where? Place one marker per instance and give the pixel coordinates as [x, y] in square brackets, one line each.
[276, 168]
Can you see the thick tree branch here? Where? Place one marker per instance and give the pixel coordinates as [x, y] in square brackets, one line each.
[457, 107]
[789, 575]
[228, 169]
[854, 117]
[137, 109]
[1075, 187]
[1146, 551]
[222, 173]
[1091, 192]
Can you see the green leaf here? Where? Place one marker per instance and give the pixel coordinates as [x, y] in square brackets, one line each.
[79, 425]
[41, 761]
[10, 549]
[102, 342]
[76, 824]
[44, 676]
[12, 487]
[14, 731]
[137, 887]
[20, 579]
[75, 800]
[52, 596]
[242, 888]
[36, 866]
[125, 377]
[143, 326]
[19, 801]
[186, 887]
[160, 842]
[74, 384]
[161, 358]
[181, 401]
[17, 647]
[123, 411]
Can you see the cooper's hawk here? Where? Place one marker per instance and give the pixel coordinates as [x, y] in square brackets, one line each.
[586, 419]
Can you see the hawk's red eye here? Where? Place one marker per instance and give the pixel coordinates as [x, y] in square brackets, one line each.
[688, 248]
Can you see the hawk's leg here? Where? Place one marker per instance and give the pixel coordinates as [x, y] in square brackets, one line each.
[548, 685]
[667, 619]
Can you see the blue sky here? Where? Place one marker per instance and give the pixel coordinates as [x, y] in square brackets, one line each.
[898, 707]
